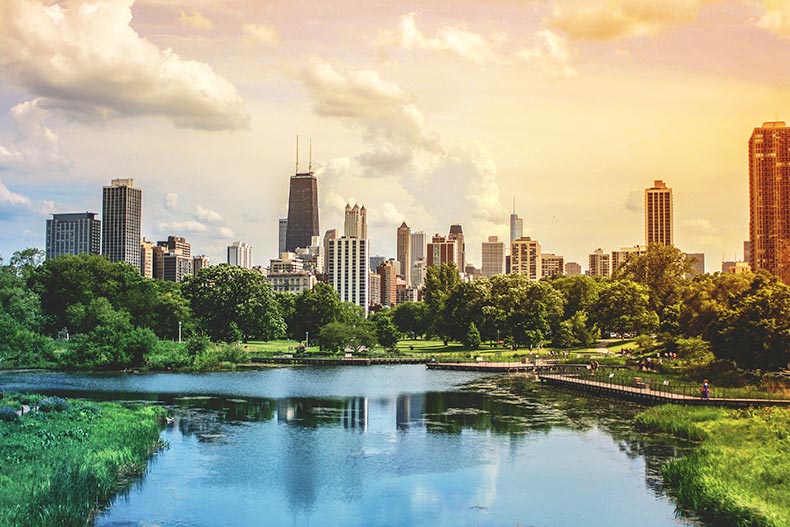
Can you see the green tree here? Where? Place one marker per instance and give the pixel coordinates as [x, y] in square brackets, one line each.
[439, 283]
[464, 307]
[472, 338]
[314, 309]
[412, 318]
[336, 337]
[26, 261]
[623, 308]
[232, 303]
[580, 292]
[663, 269]
[386, 332]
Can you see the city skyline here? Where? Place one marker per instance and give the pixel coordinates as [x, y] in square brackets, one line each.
[571, 111]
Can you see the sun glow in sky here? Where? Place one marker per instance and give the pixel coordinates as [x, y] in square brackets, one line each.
[427, 112]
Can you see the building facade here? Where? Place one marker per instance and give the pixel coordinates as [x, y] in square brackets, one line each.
[769, 199]
[302, 218]
[389, 282]
[658, 214]
[199, 263]
[457, 235]
[73, 233]
[282, 233]
[441, 251]
[599, 263]
[625, 254]
[147, 255]
[525, 258]
[374, 280]
[552, 264]
[516, 225]
[493, 256]
[404, 252]
[697, 261]
[122, 214]
[348, 270]
[419, 245]
[240, 254]
[356, 222]
[573, 269]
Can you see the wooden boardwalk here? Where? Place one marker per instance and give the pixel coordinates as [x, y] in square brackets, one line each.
[505, 367]
[650, 396]
[341, 361]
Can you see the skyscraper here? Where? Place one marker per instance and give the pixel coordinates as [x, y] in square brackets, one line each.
[240, 254]
[516, 225]
[493, 257]
[419, 243]
[404, 252]
[599, 263]
[658, 214]
[356, 222]
[347, 260]
[552, 264]
[329, 235]
[457, 234]
[525, 258]
[282, 234]
[73, 233]
[122, 209]
[302, 211]
[441, 251]
[769, 199]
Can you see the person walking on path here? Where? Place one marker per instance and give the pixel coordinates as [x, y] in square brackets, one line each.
[704, 391]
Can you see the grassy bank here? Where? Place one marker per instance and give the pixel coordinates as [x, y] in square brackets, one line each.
[740, 474]
[64, 461]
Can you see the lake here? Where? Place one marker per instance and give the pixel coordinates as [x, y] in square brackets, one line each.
[381, 446]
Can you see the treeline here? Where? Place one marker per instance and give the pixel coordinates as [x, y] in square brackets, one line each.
[742, 318]
[116, 319]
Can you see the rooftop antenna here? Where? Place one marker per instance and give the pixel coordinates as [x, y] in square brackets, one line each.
[297, 153]
[310, 158]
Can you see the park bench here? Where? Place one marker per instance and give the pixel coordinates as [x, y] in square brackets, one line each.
[639, 383]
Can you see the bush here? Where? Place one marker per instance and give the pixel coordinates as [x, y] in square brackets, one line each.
[53, 404]
[472, 337]
[197, 344]
[8, 414]
[168, 355]
[231, 353]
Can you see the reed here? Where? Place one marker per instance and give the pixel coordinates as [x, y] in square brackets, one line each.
[60, 467]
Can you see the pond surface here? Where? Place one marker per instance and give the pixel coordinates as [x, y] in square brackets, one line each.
[381, 446]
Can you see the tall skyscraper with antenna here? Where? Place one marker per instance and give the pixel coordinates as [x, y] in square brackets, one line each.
[516, 224]
[302, 206]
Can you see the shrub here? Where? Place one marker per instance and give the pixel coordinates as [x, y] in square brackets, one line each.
[53, 404]
[197, 344]
[8, 414]
[231, 353]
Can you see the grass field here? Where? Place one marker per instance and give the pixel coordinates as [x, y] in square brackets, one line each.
[739, 475]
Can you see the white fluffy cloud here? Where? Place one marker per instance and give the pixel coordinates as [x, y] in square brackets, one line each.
[550, 54]
[776, 18]
[391, 124]
[456, 40]
[623, 18]
[260, 34]
[208, 216]
[86, 59]
[35, 143]
[179, 228]
[171, 201]
[195, 20]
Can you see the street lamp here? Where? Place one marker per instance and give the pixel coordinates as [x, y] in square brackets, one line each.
[306, 340]
[179, 331]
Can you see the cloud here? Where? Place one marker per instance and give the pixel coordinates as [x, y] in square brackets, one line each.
[635, 201]
[623, 18]
[384, 159]
[700, 227]
[195, 20]
[455, 40]
[776, 18]
[171, 201]
[86, 59]
[183, 227]
[260, 34]
[35, 143]
[550, 54]
[12, 204]
[390, 123]
[208, 216]
[225, 232]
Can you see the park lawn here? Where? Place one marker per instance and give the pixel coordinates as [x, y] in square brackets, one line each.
[60, 466]
[740, 473]
[275, 346]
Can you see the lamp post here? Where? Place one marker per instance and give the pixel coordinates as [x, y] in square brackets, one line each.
[179, 331]
[306, 340]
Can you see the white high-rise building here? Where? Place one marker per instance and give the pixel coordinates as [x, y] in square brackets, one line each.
[493, 257]
[240, 254]
[599, 263]
[356, 223]
[347, 268]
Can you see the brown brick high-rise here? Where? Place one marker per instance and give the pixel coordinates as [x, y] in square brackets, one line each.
[769, 199]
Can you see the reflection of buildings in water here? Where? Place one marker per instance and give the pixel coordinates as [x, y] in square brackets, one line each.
[355, 413]
[286, 410]
[409, 410]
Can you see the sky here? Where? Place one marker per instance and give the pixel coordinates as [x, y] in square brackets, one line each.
[428, 112]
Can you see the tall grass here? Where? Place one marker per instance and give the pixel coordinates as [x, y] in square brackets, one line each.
[740, 474]
[58, 468]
